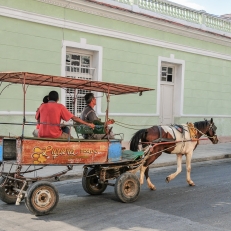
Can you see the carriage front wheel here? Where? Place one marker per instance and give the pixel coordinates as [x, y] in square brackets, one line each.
[42, 198]
[127, 187]
[91, 184]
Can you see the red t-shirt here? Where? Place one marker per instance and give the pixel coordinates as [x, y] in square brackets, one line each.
[50, 115]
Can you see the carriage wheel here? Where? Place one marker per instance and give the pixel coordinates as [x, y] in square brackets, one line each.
[91, 184]
[8, 194]
[127, 187]
[42, 198]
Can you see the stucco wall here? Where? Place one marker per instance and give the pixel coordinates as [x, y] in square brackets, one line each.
[36, 47]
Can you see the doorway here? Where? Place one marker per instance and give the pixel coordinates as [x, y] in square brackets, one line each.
[167, 77]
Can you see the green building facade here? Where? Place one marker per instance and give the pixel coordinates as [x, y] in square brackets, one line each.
[182, 53]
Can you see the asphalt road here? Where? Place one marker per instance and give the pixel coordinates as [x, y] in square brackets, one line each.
[172, 207]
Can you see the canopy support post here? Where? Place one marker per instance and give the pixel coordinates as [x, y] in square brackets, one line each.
[24, 104]
[107, 111]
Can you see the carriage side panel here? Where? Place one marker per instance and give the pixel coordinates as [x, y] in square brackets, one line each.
[40, 152]
[114, 151]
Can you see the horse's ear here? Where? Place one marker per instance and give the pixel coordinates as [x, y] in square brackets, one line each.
[211, 121]
[205, 119]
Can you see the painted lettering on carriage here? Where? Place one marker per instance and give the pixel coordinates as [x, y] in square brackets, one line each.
[55, 152]
[40, 155]
[89, 151]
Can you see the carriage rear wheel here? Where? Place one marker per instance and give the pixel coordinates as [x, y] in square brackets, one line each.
[8, 194]
[42, 198]
[91, 183]
[127, 187]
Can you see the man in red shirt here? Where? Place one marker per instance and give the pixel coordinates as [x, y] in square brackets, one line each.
[50, 115]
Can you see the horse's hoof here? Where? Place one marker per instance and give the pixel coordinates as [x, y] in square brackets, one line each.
[167, 180]
[192, 184]
[153, 188]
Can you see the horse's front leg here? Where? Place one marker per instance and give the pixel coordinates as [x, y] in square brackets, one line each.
[142, 170]
[150, 184]
[188, 169]
[145, 169]
[178, 170]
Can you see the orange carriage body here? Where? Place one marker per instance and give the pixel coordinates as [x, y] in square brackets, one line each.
[50, 152]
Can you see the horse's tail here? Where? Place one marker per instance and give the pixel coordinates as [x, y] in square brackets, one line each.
[141, 134]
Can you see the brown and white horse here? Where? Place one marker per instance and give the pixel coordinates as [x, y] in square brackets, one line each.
[164, 134]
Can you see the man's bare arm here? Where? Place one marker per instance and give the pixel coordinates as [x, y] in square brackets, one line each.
[78, 120]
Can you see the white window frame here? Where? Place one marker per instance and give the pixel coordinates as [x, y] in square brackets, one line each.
[96, 62]
[80, 104]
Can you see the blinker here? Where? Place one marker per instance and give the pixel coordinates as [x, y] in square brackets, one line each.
[214, 127]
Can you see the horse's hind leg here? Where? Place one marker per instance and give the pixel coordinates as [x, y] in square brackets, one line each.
[178, 170]
[188, 169]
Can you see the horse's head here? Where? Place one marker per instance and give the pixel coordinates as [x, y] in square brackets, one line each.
[210, 131]
[207, 128]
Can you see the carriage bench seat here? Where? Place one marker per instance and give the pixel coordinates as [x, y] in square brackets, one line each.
[86, 130]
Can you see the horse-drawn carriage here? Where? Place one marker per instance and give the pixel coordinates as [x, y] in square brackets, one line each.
[105, 163]
[103, 160]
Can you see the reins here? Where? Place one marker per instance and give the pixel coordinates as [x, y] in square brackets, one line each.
[152, 146]
[127, 125]
[132, 124]
[210, 126]
[147, 149]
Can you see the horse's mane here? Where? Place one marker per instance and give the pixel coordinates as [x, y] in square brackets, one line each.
[134, 142]
[201, 125]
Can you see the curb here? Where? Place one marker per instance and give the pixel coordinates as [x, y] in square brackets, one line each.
[165, 164]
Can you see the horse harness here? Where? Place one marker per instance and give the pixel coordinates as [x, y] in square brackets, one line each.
[179, 128]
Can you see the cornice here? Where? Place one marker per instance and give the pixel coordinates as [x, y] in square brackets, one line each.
[159, 22]
[57, 22]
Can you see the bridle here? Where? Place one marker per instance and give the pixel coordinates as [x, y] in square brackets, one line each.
[212, 127]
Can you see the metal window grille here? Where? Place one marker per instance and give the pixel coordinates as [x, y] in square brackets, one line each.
[77, 66]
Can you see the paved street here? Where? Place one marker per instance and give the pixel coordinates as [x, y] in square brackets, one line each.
[172, 207]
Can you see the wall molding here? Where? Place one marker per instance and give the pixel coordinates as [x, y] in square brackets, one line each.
[47, 20]
[16, 113]
[20, 113]
[145, 18]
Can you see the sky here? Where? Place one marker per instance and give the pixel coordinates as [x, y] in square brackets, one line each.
[216, 7]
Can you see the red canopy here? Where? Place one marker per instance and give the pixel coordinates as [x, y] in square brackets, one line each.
[65, 82]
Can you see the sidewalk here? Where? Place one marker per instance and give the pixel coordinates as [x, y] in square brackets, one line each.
[203, 152]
